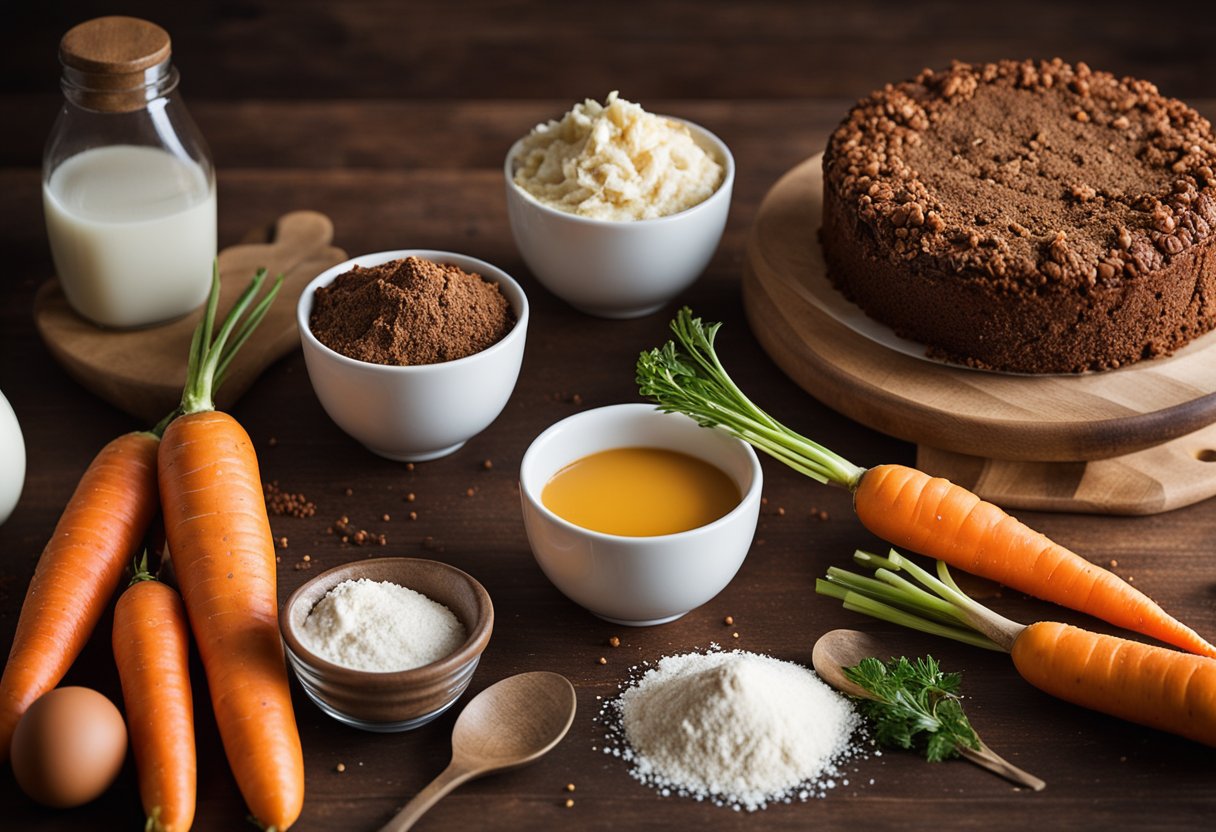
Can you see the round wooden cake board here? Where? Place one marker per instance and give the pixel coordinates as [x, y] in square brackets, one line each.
[1138, 440]
[142, 371]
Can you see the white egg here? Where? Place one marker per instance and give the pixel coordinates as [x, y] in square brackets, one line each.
[12, 459]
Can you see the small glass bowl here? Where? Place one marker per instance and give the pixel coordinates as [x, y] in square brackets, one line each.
[398, 700]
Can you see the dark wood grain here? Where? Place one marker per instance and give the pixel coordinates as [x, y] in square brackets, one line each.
[393, 118]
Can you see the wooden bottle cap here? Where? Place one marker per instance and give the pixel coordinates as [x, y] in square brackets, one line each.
[113, 64]
[114, 45]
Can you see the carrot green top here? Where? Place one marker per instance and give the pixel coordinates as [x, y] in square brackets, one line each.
[210, 358]
[685, 376]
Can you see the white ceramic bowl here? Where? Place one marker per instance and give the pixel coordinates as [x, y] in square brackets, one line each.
[421, 412]
[638, 581]
[619, 269]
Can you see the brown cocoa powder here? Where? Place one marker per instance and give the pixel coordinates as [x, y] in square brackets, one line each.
[408, 312]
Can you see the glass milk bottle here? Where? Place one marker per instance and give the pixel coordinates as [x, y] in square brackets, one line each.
[128, 187]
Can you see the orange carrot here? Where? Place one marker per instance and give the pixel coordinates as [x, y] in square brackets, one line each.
[1152, 686]
[151, 649]
[101, 528]
[900, 504]
[1142, 683]
[223, 555]
[933, 516]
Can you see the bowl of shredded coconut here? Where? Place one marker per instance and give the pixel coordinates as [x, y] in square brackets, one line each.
[617, 210]
[387, 644]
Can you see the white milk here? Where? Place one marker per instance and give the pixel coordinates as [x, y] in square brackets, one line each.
[132, 231]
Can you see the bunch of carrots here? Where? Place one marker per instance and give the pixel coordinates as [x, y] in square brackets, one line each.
[199, 466]
[934, 517]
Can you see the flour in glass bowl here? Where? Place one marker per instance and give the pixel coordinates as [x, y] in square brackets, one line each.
[380, 626]
[738, 729]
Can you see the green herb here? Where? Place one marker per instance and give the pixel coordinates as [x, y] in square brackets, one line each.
[916, 705]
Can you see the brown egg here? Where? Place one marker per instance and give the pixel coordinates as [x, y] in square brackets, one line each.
[69, 747]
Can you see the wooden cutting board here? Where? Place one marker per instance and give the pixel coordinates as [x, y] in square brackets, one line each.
[1132, 441]
[142, 371]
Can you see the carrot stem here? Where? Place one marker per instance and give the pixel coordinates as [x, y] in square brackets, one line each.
[139, 568]
[926, 605]
[210, 357]
[856, 601]
[686, 376]
[917, 605]
[998, 628]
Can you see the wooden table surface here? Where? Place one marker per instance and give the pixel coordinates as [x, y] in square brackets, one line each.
[393, 118]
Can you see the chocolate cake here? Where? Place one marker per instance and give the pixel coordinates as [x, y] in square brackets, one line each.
[1031, 217]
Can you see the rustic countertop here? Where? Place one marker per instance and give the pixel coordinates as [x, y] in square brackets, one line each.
[393, 119]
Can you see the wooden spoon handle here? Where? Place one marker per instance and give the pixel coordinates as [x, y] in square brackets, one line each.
[985, 757]
[449, 779]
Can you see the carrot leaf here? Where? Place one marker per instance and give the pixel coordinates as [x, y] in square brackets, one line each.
[686, 376]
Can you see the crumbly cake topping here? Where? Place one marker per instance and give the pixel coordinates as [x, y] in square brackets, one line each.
[1041, 173]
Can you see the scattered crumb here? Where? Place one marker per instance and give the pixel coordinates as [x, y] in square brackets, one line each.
[734, 635]
[409, 498]
[272, 441]
[350, 492]
[576, 399]
[764, 501]
[385, 518]
[409, 466]
[569, 802]
[360, 537]
[780, 511]
[730, 619]
[603, 660]
[1114, 564]
[614, 641]
[282, 541]
[487, 464]
[569, 787]
[469, 492]
[340, 767]
[307, 558]
[413, 515]
[280, 502]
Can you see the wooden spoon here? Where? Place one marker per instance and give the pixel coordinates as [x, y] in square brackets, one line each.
[838, 649]
[509, 724]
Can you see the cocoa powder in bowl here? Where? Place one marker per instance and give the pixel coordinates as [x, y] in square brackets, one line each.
[408, 312]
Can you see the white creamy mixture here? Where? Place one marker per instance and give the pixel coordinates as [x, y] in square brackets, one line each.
[616, 162]
[739, 729]
[380, 626]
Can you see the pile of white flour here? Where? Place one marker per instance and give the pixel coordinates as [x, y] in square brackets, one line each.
[739, 729]
[380, 626]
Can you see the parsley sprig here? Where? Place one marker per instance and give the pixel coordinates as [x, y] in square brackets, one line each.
[915, 705]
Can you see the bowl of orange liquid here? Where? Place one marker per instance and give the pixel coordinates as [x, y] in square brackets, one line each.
[637, 515]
